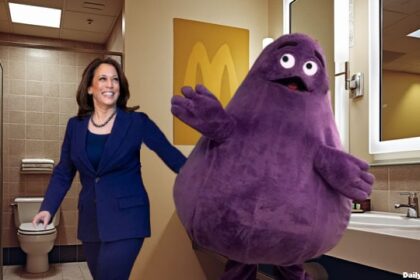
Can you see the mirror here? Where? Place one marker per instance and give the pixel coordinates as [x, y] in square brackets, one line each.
[394, 78]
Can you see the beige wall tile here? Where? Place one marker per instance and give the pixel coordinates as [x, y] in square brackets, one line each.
[34, 71]
[15, 103]
[34, 118]
[50, 73]
[68, 106]
[17, 70]
[41, 56]
[16, 117]
[35, 132]
[379, 200]
[381, 177]
[17, 148]
[51, 119]
[34, 148]
[17, 87]
[13, 175]
[51, 132]
[9, 238]
[34, 103]
[64, 118]
[69, 218]
[4, 53]
[69, 204]
[16, 131]
[68, 74]
[13, 161]
[68, 58]
[67, 236]
[51, 89]
[405, 177]
[34, 88]
[52, 149]
[51, 105]
[14, 189]
[68, 90]
[17, 54]
[8, 222]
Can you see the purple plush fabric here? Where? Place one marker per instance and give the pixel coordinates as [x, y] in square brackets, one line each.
[268, 181]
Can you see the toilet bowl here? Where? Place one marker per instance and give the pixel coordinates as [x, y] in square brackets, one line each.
[37, 241]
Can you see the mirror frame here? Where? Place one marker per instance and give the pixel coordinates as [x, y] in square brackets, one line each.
[390, 149]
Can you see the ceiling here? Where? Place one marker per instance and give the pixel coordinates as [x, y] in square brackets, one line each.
[81, 20]
[401, 53]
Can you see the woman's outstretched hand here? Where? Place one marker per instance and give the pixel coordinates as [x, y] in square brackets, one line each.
[43, 217]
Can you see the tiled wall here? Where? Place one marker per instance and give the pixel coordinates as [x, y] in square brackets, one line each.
[390, 182]
[38, 98]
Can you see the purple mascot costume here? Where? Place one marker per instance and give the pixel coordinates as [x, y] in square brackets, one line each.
[268, 181]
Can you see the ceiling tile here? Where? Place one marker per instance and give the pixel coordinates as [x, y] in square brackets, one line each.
[5, 26]
[100, 7]
[79, 21]
[4, 11]
[84, 36]
[31, 30]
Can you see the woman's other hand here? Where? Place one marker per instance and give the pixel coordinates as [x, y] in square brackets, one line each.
[43, 217]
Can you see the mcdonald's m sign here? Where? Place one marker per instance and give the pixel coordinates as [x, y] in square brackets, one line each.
[214, 55]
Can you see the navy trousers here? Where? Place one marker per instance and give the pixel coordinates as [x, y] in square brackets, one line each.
[112, 260]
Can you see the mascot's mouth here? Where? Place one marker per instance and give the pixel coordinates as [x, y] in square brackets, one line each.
[292, 83]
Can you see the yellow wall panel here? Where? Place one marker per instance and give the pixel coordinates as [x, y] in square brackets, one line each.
[210, 54]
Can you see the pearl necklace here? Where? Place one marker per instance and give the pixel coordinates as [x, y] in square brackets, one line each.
[105, 123]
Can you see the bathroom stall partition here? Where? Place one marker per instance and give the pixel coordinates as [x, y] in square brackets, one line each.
[39, 90]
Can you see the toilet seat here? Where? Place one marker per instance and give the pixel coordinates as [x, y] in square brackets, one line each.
[29, 229]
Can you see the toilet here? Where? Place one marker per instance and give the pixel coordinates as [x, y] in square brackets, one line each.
[38, 241]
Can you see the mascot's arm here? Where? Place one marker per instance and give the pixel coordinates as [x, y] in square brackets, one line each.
[201, 110]
[344, 173]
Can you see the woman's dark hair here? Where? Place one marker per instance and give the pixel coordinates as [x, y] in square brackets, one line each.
[85, 100]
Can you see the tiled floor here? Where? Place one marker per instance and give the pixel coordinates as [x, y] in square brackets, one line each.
[62, 271]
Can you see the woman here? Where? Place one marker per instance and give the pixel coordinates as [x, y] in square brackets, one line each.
[103, 143]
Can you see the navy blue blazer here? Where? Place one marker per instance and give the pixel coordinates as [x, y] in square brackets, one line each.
[113, 203]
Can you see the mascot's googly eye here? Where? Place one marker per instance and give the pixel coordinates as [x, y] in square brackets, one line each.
[287, 61]
[310, 68]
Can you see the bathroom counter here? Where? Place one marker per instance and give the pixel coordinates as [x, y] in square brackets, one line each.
[390, 249]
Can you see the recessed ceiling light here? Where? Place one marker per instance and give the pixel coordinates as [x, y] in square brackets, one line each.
[35, 15]
[415, 34]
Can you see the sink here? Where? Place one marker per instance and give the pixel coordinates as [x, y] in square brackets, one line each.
[383, 220]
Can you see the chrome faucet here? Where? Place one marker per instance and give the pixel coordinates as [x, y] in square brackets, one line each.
[412, 206]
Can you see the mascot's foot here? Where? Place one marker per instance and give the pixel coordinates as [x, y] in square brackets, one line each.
[239, 271]
[294, 272]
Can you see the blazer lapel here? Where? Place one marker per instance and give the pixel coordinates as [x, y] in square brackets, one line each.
[119, 130]
[81, 143]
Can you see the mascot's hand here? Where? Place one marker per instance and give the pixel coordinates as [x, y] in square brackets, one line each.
[201, 110]
[344, 173]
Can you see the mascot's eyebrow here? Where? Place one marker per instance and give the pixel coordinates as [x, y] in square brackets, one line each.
[288, 43]
[319, 56]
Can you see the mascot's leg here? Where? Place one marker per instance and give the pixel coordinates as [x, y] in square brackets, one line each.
[235, 270]
[294, 272]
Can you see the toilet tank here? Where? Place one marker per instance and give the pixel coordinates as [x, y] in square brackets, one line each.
[25, 208]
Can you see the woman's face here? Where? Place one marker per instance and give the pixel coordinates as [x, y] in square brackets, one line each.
[105, 86]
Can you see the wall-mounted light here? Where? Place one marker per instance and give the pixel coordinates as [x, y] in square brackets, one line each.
[267, 41]
[35, 15]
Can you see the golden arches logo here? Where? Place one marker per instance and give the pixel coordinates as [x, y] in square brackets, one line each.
[212, 70]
